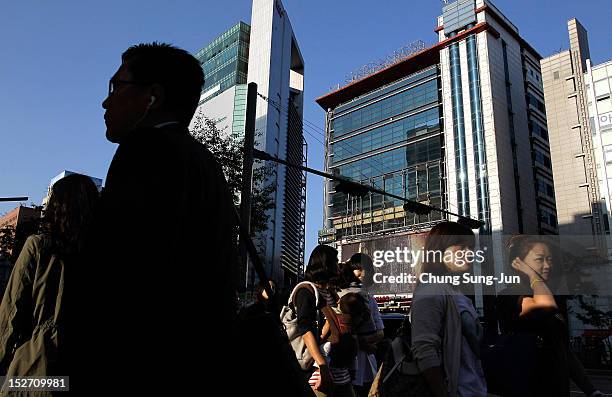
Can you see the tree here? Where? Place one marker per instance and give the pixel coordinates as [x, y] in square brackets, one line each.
[12, 239]
[7, 240]
[228, 150]
[599, 319]
[592, 315]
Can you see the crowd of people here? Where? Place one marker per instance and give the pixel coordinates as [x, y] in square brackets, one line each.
[140, 280]
[447, 348]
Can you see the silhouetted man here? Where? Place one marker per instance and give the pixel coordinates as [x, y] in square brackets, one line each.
[159, 285]
[161, 295]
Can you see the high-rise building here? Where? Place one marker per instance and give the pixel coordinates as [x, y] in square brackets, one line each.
[598, 87]
[498, 157]
[267, 53]
[460, 125]
[579, 111]
[225, 64]
[575, 99]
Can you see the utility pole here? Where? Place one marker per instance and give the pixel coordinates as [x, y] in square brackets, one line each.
[247, 176]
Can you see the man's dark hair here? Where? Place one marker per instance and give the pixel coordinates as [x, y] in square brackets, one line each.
[176, 70]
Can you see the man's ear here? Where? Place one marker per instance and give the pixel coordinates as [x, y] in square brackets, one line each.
[157, 92]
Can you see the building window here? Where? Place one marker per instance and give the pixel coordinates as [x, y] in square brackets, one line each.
[542, 159]
[535, 102]
[546, 188]
[548, 218]
[540, 131]
[604, 105]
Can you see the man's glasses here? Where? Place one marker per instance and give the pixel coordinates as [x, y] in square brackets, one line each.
[113, 84]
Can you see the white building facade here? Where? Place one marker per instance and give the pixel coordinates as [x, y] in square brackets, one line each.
[266, 52]
[497, 150]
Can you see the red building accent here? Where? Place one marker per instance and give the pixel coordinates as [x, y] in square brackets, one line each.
[412, 64]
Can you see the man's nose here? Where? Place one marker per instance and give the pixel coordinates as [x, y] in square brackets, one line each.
[105, 103]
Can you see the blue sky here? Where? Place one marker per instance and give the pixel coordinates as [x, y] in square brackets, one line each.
[57, 58]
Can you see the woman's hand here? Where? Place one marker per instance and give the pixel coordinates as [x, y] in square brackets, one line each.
[325, 381]
[521, 266]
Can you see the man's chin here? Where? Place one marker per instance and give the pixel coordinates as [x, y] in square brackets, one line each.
[112, 136]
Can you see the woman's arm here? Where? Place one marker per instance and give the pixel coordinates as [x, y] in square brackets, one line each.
[543, 298]
[16, 306]
[315, 351]
[325, 331]
[325, 382]
[306, 311]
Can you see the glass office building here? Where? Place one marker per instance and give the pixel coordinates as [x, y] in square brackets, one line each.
[458, 125]
[225, 61]
[225, 64]
[266, 53]
[389, 138]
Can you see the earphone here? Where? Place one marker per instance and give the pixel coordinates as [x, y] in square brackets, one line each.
[146, 112]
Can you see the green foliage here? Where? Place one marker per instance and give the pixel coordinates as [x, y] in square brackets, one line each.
[7, 239]
[12, 239]
[228, 150]
[593, 316]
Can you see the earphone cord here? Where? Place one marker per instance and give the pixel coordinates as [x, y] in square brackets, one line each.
[144, 116]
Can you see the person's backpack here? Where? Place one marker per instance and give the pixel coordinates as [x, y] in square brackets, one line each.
[343, 351]
[399, 374]
[288, 317]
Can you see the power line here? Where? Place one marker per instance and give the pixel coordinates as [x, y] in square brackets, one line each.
[277, 107]
[415, 206]
[353, 149]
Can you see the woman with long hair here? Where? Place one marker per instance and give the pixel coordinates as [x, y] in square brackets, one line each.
[539, 361]
[446, 333]
[34, 335]
[309, 304]
[318, 324]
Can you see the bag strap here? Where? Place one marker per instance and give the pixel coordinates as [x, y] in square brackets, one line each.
[397, 346]
[304, 284]
[398, 356]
